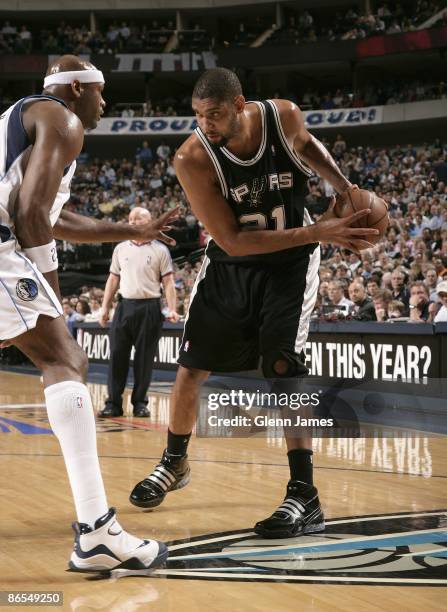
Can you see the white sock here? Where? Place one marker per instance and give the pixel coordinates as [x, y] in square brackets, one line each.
[70, 413]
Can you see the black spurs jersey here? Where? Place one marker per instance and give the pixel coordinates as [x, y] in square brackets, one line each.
[265, 192]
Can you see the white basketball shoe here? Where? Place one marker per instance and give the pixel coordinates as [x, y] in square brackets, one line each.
[108, 547]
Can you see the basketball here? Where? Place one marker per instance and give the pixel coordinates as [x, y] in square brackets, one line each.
[353, 200]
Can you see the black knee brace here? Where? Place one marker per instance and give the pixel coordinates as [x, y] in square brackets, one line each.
[295, 366]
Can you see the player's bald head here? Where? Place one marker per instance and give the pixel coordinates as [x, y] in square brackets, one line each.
[79, 84]
[66, 63]
[139, 214]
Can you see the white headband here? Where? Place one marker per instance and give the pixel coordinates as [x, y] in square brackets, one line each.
[65, 78]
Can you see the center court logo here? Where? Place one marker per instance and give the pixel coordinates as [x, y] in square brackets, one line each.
[400, 549]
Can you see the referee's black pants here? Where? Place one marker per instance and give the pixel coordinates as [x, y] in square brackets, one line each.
[136, 323]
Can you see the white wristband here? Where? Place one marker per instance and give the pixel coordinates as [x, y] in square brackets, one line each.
[44, 256]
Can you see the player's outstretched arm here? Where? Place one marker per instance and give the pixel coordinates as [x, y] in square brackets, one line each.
[78, 228]
[198, 179]
[57, 137]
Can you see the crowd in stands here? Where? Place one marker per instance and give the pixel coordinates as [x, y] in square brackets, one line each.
[404, 276]
[110, 188]
[131, 36]
[389, 18]
[375, 94]
[118, 37]
[385, 18]
[84, 306]
[170, 106]
[123, 37]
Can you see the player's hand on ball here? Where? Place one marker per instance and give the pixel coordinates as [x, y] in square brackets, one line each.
[338, 231]
[155, 230]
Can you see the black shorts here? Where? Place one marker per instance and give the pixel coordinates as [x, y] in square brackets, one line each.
[239, 313]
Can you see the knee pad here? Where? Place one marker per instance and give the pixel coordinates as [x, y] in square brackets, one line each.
[290, 365]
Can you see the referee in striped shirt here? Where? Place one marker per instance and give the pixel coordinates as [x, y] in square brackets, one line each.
[138, 270]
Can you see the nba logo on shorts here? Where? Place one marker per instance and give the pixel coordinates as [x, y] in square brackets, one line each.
[79, 402]
[186, 346]
[26, 289]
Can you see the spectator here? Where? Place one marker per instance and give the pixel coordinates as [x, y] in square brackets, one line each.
[441, 314]
[70, 315]
[82, 309]
[396, 310]
[381, 301]
[373, 286]
[431, 281]
[399, 290]
[128, 112]
[354, 262]
[419, 305]
[340, 144]
[323, 292]
[337, 298]
[8, 29]
[95, 311]
[144, 153]
[124, 31]
[163, 151]
[26, 38]
[363, 308]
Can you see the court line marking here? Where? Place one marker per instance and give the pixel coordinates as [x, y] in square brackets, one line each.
[328, 522]
[336, 521]
[439, 534]
[281, 465]
[422, 553]
[315, 578]
[233, 536]
[21, 406]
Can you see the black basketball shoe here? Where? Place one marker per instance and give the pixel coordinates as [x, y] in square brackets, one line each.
[110, 410]
[172, 473]
[299, 513]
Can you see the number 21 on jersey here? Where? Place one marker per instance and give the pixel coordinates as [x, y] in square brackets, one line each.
[259, 221]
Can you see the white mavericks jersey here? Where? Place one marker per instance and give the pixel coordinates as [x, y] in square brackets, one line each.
[15, 149]
[25, 294]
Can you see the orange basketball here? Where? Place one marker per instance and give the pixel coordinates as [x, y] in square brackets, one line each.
[353, 200]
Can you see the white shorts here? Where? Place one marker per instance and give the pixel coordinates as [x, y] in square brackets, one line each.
[24, 293]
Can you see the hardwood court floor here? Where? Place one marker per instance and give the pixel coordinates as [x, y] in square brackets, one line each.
[235, 483]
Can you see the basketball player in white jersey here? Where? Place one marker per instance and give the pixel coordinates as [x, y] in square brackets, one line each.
[40, 137]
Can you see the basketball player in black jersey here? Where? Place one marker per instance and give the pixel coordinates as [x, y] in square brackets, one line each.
[246, 168]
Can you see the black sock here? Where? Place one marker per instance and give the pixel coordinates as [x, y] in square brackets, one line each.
[300, 463]
[178, 443]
